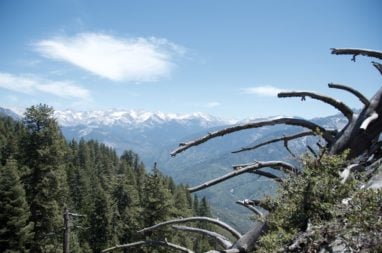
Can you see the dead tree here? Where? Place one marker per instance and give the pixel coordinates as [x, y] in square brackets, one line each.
[360, 136]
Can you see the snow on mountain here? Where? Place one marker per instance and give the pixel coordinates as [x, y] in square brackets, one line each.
[133, 118]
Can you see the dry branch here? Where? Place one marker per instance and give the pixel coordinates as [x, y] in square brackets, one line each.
[248, 241]
[238, 170]
[268, 175]
[150, 242]
[357, 140]
[378, 66]
[355, 92]
[250, 206]
[221, 224]
[277, 165]
[224, 251]
[284, 138]
[327, 135]
[218, 237]
[357, 51]
[344, 109]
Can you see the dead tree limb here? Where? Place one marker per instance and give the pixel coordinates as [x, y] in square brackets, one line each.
[284, 138]
[223, 241]
[353, 136]
[277, 165]
[248, 241]
[258, 165]
[152, 243]
[344, 109]
[221, 224]
[357, 51]
[326, 134]
[224, 251]
[378, 66]
[268, 175]
[355, 92]
[250, 206]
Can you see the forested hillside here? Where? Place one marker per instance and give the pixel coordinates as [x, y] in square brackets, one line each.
[107, 197]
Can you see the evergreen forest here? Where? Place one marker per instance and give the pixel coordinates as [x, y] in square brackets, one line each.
[105, 198]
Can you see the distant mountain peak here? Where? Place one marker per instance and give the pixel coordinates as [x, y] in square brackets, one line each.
[133, 118]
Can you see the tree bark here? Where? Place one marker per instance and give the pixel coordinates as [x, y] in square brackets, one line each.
[354, 137]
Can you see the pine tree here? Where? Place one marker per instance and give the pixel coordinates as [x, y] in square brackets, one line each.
[125, 195]
[157, 199]
[43, 152]
[15, 228]
[99, 231]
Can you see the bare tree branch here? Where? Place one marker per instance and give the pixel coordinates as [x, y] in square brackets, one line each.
[268, 175]
[277, 165]
[249, 204]
[150, 242]
[248, 241]
[357, 51]
[312, 151]
[355, 92]
[327, 135]
[224, 251]
[344, 109]
[284, 138]
[257, 202]
[221, 224]
[378, 66]
[218, 237]
[240, 170]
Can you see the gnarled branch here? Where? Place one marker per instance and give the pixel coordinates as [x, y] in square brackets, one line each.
[357, 51]
[221, 224]
[150, 242]
[284, 138]
[378, 66]
[218, 237]
[247, 168]
[248, 241]
[355, 92]
[344, 109]
[249, 204]
[268, 175]
[327, 135]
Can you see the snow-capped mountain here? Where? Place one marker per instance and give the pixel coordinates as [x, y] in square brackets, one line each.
[133, 118]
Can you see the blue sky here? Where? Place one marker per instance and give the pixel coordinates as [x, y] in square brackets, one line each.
[226, 58]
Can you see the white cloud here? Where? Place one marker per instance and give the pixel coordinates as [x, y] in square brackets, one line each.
[266, 90]
[117, 59]
[30, 85]
[212, 104]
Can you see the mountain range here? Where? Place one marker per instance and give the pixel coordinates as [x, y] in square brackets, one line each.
[154, 135]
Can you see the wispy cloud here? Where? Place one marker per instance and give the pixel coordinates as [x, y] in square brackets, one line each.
[32, 84]
[117, 59]
[266, 90]
[212, 104]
